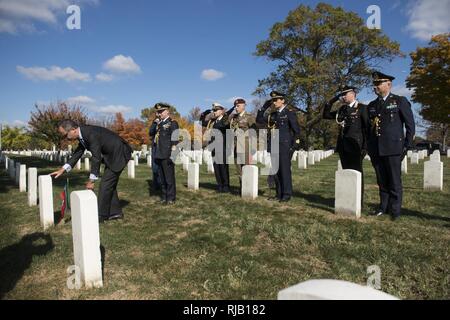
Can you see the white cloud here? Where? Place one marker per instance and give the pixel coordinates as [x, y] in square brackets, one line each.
[15, 124]
[427, 18]
[122, 64]
[53, 73]
[104, 77]
[112, 109]
[402, 91]
[83, 100]
[212, 75]
[21, 15]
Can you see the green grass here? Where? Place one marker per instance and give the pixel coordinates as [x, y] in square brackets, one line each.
[214, 246]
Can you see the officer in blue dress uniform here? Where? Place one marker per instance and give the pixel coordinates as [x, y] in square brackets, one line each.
[162, 129]
[390, 136]
[352, 119]
[280, 117]
[216, 118]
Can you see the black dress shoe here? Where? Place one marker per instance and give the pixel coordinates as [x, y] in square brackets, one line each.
[395, 217]
[377, 213]
[116, 217]
[171, 202]
[226, 190]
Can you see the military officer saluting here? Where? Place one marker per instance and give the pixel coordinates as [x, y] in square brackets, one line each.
[241, 120]
[280, 118]
[217, 119]
[352, 119]
[389, 115]
[162, 129]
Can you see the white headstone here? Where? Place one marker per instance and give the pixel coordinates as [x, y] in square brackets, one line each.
[327, 289]
[131, 169]
[136, 160]
[421, 154]
[348, 192]
[210, 166]
[78, 166]
[317, 155]
[46, 202]
[311, 158]
[405, 165]
[448, 153]
[149, 161]
[185, 161]
[23, 178]
[436, 156]
[409, 153]
[302, 160]
[87, 166]
[433, 175]
[193, 176]
[32, 187]
[86, 237]
[415, 158]
[249, 182]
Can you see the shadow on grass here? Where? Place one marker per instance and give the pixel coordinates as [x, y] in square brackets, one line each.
[421, 215]
[17, 258]
[317, 201]
[6, 183]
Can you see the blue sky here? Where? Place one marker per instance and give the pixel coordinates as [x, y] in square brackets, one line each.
[130, 54]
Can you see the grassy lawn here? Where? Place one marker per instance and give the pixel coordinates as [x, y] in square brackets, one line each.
[214, 246]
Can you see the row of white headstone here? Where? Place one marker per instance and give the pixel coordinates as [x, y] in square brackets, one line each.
[348, 184]
[87, 253]
[84, 213]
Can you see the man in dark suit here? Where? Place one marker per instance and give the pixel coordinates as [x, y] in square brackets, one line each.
[280, 117]
[217, 119]
[106, 147]
[389, 115]
[162, 130]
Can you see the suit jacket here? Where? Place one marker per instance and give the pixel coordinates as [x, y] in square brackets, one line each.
[105, 146]
[352, 137]
[388, 119]
[162, 137]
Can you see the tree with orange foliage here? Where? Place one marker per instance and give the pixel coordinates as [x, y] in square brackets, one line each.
[44, 121]
[132, 131]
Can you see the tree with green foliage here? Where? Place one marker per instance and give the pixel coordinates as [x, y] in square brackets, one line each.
[317, 50]
[430, 80]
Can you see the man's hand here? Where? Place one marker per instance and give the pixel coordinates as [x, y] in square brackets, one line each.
[90, 185]
[58, 173]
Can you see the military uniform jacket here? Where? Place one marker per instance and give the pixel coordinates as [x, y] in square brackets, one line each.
[288, 128]
[352, 136]
[162, 135]
[222, 125]
[387, 119]
[242, 121]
